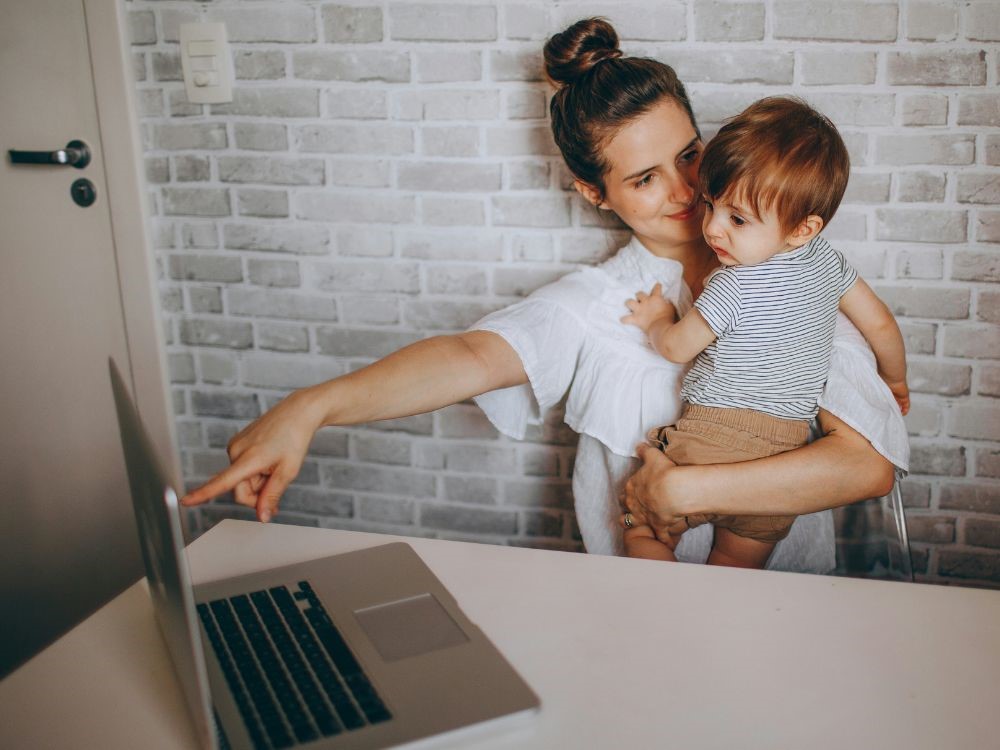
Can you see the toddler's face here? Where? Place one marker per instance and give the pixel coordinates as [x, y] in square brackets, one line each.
[739, 237]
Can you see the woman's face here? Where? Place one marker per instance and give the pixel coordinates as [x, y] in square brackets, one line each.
[653, 180]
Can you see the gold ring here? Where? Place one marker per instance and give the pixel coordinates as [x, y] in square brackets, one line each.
[629, 521]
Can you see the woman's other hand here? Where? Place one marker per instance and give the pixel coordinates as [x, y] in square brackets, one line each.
[650, 496]
[265, 457]
[646, 309]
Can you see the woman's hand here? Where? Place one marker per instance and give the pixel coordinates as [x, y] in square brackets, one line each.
[646, 309]
[651, 498]
[266, 456]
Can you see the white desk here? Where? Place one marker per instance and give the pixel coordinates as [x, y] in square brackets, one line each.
[623, 653]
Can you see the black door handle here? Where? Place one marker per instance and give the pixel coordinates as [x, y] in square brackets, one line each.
[76, 154]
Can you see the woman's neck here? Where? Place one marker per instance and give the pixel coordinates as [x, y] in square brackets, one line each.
[695, 255]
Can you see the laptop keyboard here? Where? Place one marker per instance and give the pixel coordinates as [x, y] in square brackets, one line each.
[292, 675]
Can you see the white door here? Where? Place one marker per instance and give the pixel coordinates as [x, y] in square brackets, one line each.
[67, 542]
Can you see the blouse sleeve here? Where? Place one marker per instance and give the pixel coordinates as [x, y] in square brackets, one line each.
[548, 338]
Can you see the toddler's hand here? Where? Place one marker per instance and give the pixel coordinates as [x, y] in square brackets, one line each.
[901, 392]
[647, 308]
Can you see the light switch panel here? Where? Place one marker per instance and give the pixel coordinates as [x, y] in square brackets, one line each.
[207, 63]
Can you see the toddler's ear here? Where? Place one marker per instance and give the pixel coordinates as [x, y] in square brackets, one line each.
[808, 228]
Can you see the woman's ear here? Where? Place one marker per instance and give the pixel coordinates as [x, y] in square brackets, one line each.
[808, 228]
[589, 192]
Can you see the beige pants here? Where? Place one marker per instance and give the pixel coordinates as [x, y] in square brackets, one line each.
[711, 435]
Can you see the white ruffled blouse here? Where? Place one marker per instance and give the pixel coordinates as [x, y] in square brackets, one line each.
[569, 338]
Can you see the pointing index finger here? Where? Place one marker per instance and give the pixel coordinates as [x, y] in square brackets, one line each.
[224, 481]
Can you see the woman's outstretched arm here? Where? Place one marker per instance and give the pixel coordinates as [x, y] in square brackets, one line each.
[267, 455]
[840, 468]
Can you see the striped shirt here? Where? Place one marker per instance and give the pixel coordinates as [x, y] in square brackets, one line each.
[774, 325]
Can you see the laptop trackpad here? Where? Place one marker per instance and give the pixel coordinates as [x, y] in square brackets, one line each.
[409, 627]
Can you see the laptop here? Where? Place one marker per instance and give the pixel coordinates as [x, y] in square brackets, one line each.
[362, 649]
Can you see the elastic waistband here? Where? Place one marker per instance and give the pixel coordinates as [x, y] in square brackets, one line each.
[769, 427]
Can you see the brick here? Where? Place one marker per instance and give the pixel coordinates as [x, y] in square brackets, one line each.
[715, 106]
[925, 149]
[356, 65]
[919, 264]
[975, 420]
[271, 102]
[369, 310]
[843, 21]
[989, 381]
[196, 202]
[988, 226]
[826, 67]
[451, 212]
[531, 248]
[538, 493]
[931, 529]
[979, 109]
[345, 23]
[530, 212]
[141, 27]
[466, 422]
[259, 65]
[728, 22]
[446, 22]
[992, 150]
[357, 104]
[915, 494]
[525, 105]
[449, 141]
[632, 21]
[969, 565]
[278, 337]
[977, 498]
[260, 136]
[382, 479]
[931, 22]
[299, 239]
[171, 300]
[846, 109]
[271, 303]
[456, 280]
[735, 66]
[180, 367]
[191, 168]
[449, 66]
[920, 225]
[940, 378]
[526, 21]
[292, 24]
[468, 520]
[271, 170]
[373, 276]
[205, 268]
[463, 104]
[938, 68]
[520, 141]
[225, 404]
[263, 203]
[360, 173]
[988, 463]
[982, 532]
[530, 175]
[201, 236]
[380, 140]
[179, 106]
[864, 187]
[517, 282]
[982, 22]
[139, 66]
[924, 109]
[926, 302]
[937, 459]
[448, 246]
[444, 315]
[587, 247]
[189, 435]
[920, 187]
[322, 502]
[517, 65]
[205, 299]
[919, 338]
[971, 341]
[329, 442]
[387, 510]
[988, 306]
[976, 266]
[285, 372]
[979, 187]
[372, 243]
[178, 402]
[543, 524]
[167, 66]
[449, 176]
[468, 489]
[382, 449]
[149, 103]
[190, 136]
[360, 342]
[376, 208]
[157, 169]
[540, 462]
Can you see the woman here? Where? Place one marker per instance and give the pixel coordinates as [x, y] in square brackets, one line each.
[627, 133]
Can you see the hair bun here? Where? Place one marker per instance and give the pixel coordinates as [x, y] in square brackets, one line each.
[572, 53]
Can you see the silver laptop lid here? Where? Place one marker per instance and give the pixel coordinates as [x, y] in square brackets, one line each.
[157, 517]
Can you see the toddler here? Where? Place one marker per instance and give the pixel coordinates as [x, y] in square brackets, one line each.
[761, 332]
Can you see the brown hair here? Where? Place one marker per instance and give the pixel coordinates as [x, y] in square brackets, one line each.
[599, 91]
[778, 153]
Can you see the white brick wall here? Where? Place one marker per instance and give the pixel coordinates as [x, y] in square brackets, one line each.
[385, 172]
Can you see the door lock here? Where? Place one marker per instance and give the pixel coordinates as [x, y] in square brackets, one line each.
[76, 154]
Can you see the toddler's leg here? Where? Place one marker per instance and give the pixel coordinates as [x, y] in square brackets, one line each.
[640, 541]
[738, 551]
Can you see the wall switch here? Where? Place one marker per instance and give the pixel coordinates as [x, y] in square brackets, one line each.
[207, 63]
